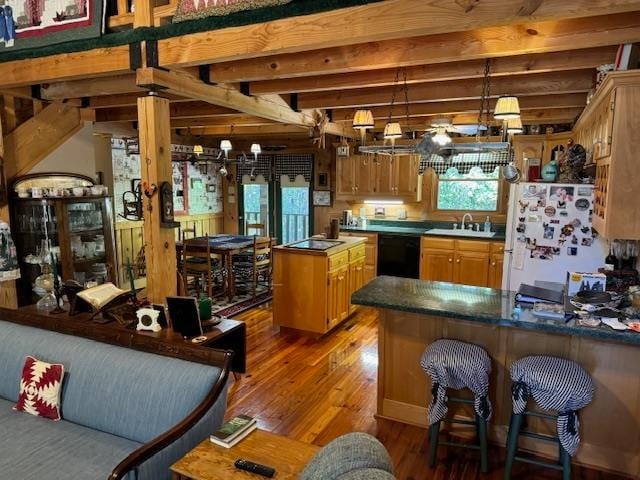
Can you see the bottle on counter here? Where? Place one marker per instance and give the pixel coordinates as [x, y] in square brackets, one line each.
[610, 261]
[487, 224]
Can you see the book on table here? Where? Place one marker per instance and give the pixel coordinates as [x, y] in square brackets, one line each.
[103, 295]
[233, 431]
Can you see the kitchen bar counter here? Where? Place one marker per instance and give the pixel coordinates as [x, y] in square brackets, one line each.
[476, 304]
[413, 314]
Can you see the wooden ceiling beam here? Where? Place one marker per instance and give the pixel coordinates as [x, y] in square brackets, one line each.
[537, 84]
[90, 87]
[227, 121]
[492, 42]
[368, 23]
[252, 131]
[65, 66]
[569, 100]
[190, 87]
[503, 66]
[128, 100]
[185, 109]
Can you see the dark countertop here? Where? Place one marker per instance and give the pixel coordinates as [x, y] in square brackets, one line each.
[417, 229]
[476, 304]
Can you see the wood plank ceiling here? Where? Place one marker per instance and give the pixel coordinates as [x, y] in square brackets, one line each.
[275, 81]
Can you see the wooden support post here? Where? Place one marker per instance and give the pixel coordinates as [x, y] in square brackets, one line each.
[143, 15]
[155, 156]
[8, 292]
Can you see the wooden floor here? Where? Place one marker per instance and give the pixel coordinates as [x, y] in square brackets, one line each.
[315, 390]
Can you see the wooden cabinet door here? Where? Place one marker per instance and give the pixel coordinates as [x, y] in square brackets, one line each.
[365, 175]
[471, 268]
[604, 127]
[344, 295]
[345, 176]
[356, 280]
[333, 299]
[369, 273]
[384, 176]
[495, 271]
[405, 176]
[437, 265]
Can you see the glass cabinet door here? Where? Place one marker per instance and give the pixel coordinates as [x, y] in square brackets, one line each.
[86, 241]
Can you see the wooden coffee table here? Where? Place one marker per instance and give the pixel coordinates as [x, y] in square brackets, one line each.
[209, 461]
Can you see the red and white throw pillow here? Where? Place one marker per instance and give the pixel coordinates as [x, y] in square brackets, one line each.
[40, 388]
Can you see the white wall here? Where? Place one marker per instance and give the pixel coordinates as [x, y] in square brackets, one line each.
[76, 155]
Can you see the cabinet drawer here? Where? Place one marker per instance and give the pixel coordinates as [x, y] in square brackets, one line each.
[472, 245]
[497, 247]
[356, 252]
[440, 243]
[338, 260]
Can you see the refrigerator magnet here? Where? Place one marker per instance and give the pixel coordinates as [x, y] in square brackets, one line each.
[572, 251]
[582, 204]
[549, 211]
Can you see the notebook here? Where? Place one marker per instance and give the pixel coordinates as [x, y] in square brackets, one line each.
[185, 317]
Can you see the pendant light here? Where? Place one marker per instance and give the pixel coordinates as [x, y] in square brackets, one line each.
[441, 137]
[363, 121]
[256, 150]
[226, 147]
[507, 107]
[198, 150]
[392, 131]
[511, 173]
[514, 125]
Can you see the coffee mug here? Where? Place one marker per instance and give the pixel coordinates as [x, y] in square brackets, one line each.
[36, 192]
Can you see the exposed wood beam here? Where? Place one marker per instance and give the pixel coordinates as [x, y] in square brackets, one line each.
[18, 92]
[189, 87]
[253, 131]
[90, 87]
[569, 100]
[504, 66]
[369, 23]
[65, 66]
[116, 129]
[229, 121]
[127, 99]
[541, 83]
[529, 7]
[524, 38]
[190, 109]
[40, 135]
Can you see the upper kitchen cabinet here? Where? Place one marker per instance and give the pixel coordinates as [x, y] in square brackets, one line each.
[364, 176]
[609, 127]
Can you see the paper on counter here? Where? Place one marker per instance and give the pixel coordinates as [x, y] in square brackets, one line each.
[614, 323]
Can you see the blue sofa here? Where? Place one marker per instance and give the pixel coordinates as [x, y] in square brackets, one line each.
[126, 414]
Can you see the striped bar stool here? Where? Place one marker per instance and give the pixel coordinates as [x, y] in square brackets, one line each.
[554, 384]
[457, 365]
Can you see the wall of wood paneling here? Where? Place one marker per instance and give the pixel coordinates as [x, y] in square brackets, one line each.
[130, 238]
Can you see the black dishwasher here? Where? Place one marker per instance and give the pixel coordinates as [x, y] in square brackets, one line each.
[399, 255]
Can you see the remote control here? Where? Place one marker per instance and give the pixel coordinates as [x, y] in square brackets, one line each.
[255, 468]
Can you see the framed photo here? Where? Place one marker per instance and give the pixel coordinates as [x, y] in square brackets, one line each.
[322, 198]
[211, 187]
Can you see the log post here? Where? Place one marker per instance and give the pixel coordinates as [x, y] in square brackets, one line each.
[155, 157]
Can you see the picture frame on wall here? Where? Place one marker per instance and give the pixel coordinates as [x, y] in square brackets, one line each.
[322, 198]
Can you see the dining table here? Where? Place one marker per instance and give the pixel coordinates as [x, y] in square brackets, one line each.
[225, 245]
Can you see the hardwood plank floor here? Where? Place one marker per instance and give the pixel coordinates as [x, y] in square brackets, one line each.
[315, 390]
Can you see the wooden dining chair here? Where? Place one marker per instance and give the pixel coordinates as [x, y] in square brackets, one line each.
[256, 266]
[186, 233]
[198, 264]
[258, 228]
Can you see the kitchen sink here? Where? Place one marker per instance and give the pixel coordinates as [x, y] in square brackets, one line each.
[459, 233]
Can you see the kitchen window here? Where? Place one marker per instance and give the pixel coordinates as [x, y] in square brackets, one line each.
[474, 190]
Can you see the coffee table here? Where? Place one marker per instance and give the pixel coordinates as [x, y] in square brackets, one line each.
[209, 461]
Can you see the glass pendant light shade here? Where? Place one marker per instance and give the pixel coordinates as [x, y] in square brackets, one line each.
[392, 131]
[441, 138]
[507, 107]
[514, 125]
[225, 146]
[198, 150]
[256, 149]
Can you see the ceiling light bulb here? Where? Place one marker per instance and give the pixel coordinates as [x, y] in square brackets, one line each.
[225, 146]
[441, 138]
[507, 107]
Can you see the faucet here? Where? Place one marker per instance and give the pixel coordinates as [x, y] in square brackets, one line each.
[463, 217]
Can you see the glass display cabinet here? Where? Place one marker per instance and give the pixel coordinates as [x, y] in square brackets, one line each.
[64, 217]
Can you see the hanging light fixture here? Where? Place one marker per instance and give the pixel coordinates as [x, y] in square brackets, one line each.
[507, 107]
[514, 125]
[256, 150]
[363, 121]
[441, 137]
[198, 150]
[392, 131]
[226, 147]
[511, 173]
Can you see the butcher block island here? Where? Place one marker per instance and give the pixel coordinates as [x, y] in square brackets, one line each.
[313, 280]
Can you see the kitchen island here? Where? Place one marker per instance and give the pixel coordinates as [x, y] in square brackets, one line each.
[415, 313]
[313, 280]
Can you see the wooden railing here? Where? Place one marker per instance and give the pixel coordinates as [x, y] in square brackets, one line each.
[162, 14]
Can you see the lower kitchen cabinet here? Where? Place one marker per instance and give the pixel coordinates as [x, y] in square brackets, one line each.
[469, 262]
[312, 289]
[370, 256]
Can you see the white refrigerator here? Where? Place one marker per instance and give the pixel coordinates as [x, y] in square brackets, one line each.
[549, 234]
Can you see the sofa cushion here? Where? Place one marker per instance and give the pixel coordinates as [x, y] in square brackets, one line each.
[40, 387]
[33, 448]
[128, 393]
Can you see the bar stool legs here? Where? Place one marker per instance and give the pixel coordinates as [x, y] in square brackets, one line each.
[512, 443]
[481, 432]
